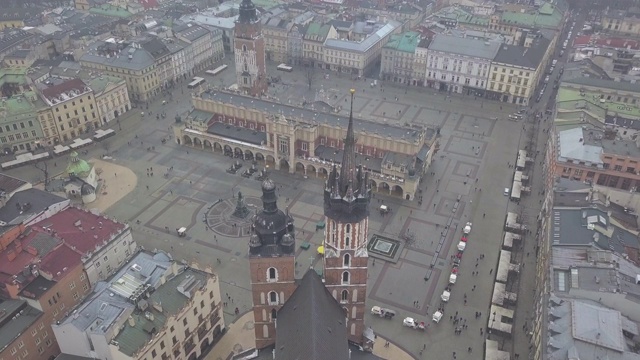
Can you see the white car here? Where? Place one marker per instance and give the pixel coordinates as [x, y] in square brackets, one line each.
[437, 316]
[506, 191]
[445, 296]
[467, 228]
[462, 245]
[453, 278]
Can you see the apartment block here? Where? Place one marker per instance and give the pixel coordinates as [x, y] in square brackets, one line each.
[20, 129]
[23, 333]
[398, 58]
[153, 307]
[111, 97]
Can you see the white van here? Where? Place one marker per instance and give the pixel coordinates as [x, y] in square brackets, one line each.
[506, 191]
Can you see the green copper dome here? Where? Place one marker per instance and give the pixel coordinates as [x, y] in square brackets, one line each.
[78, 167]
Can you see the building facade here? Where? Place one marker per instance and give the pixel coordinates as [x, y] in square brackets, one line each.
[346, 208]
[625, 22]
[20, 129]
[200, 52]
[111, 96]
[250, 59]
[272, 264]
[395, 156]
[399, 58]
[25, 335]
[460, 65]
[180, 319]
[74, 108]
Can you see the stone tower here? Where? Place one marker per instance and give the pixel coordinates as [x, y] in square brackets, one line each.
[251, 68]
[346, 208]
[272, 264]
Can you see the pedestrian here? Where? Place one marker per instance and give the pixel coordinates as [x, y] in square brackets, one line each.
[490, 271]
[469, 349]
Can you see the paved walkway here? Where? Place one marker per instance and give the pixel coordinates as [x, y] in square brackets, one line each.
[240, 337]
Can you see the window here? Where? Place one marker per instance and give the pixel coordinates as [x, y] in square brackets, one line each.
[40, 350]
[34, 332]
[13, 351]
[172, 328]
[201, 304]
[345, 278]
[346, 260]
[20, 344]
[344, 296]
[38, 341]
[72, 285]
[347, 241]
[195, 311]
[348, 228]
[161, 345]
[211, 294]
[48, 342]
[41, 326]
[272, 275]
[154, 354]
[184, 321]
[273, 298]
[85, 287]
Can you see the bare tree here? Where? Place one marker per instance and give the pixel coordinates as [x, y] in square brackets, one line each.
[310, 73]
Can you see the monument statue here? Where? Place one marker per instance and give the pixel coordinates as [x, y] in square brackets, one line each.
[241, 211]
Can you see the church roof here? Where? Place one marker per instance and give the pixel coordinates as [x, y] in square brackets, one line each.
[311, 324]
[77, 166]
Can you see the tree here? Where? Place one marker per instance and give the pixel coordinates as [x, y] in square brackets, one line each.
[310, 73]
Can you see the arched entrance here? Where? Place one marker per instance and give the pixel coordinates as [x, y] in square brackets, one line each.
[207, 144]
[187, 140]
[238, 153]
[197, 142]
[397, 191]
[217, 147]
[270, 160]
[374, 185]
[311, 170]
[284, 165]
[193, 356]
[115, 113]
[259, 157]
[407, 197]
[228, 151]
[383, 187]
[323, 173]
[300, 168]
[248, 155]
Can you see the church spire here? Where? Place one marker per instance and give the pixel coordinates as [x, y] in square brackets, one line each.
[348, 169]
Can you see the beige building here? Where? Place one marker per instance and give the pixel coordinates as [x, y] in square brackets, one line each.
[395, 156]
[516, 71]
[622, 22]
[313, 41]
[145, 65]
[399, 57]
[111, 96]
[275, 30]
[153, 308]
[74, 109]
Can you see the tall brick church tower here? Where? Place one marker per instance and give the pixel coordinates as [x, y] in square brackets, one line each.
[272, 264]
[251, 68]
[346, 208]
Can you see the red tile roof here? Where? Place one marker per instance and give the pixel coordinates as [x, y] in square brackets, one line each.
[55, 91]
[58, 262]
[9, 184]
[22, 250]
[148, 4]
[81, 229]
[618, 43]
[582, 40]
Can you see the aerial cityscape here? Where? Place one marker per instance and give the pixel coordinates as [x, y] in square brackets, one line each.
[319, 179]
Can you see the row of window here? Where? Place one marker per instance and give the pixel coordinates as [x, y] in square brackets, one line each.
[18, 137]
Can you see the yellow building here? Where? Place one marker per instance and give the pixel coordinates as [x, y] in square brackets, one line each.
[313, 43]
[275, 31]
[622, 22]
[82, 4]
[111, 97]
[145, 66]
[73, 107]
[48, 124]
[12, 17]
[516, 71]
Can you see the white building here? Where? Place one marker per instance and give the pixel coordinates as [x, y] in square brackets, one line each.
[178, 58]
[460, 65]
[153, 308]
[111, 95]
[199, 53]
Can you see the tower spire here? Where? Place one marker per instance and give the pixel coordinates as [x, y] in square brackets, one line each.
[347, 172]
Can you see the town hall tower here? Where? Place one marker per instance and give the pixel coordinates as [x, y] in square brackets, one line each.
[251, 68]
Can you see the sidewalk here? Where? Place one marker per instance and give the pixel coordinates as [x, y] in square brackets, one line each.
[240, 336]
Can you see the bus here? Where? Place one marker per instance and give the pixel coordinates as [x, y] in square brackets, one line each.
[217, 70]
[285, 67]
[197, 81]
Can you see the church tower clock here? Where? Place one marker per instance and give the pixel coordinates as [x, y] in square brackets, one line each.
[251, 68]
[346, 207]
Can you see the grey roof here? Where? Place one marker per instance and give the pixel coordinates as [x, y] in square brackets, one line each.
[607, 84]
[586, 330]
[572, 146]
[590, 227]
[10, 327]
[31, 201]
[100, 305]
[12, 37]
[155, 47]
[530, 57]
[330, 154]
[140, 58]
[311, 324]
[340, 24]
[365, 44]
[465, 46]
[37, 287]
[238, 133]
[310, 115]
[71, 357]
[172, 299]
[191, 31]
